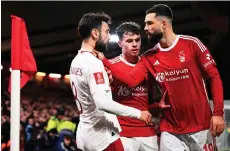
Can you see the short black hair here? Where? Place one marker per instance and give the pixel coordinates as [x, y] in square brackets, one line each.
[161, 10]
[90, 21]
[126, 27]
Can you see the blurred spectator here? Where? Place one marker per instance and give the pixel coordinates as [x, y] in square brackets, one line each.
[47, 140]
[29, 143]
[66, 140]
[29, 129]
[65, 143]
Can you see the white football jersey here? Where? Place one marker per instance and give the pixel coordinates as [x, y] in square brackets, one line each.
[97, 128]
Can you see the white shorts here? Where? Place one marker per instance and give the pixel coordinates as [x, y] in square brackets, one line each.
[199, 141]
[140, 143]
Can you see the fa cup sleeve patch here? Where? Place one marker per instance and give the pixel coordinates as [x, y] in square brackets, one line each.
[99, 78]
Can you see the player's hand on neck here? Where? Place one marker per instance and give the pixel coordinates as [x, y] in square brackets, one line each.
[99, 54]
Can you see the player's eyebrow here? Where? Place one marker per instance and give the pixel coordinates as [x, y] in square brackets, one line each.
[148, 22]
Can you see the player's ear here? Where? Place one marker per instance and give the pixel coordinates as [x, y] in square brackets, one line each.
[164, 24]
[95, 33]
[119, 43]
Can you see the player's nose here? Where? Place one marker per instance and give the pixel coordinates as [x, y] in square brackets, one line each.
[134, 44]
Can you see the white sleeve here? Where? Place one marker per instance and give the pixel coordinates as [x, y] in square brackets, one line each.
[101, 93]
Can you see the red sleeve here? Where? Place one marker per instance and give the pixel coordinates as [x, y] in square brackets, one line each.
[208, 67]
[130, 78]
[154, 105]
[216, 90]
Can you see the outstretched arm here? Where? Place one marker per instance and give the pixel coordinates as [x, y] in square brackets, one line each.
[131, 78]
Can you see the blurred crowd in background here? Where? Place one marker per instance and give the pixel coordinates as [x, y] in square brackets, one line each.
[48, 122]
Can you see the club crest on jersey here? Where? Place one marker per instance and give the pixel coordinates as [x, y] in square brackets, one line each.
[99, 78]
[182, 56]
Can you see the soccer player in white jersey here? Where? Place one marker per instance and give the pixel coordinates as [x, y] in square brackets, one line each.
[179, 63]
[98, 128]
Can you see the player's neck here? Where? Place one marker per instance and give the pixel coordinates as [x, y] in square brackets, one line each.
[168, 39]
[87, 45]
[131, 59]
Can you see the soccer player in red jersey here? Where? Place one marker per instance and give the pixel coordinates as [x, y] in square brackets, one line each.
[135, 135]
[180, 64]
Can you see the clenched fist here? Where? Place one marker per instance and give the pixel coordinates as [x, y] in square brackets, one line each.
[146, 117]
